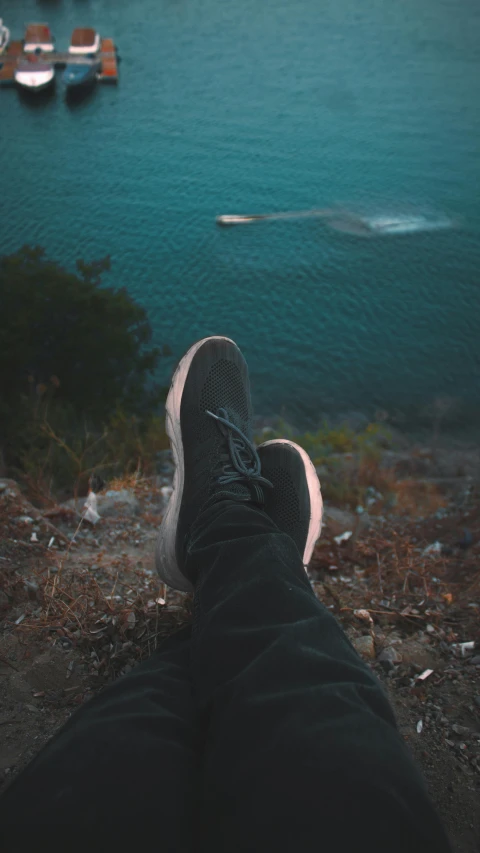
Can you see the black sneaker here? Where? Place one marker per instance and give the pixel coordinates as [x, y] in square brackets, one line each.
[295, 502]
[209, 423]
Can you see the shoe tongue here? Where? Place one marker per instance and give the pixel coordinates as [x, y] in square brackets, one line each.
[252, 493]
[239, 490]
[235, 418]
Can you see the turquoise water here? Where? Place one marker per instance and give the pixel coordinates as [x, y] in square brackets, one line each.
[242, 107]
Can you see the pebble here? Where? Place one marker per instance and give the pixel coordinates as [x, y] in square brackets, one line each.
[365, 646]
[460, 730]
[390, 654]
[476, 699]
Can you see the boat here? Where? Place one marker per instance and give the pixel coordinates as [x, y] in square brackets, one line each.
[84, 41]
[80, 75]
[38, 38]
[4, 37]
[238, 220]
[34, 74]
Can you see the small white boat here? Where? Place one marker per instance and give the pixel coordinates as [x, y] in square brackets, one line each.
[38, 38]
[238, 220]
[4, 37]
[84, 41]
[34, 75]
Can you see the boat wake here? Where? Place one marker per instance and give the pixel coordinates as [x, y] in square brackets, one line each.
[378, 226]
[363, 226]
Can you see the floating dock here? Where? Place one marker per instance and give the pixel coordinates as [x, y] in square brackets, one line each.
[9, 59]
[107, 56]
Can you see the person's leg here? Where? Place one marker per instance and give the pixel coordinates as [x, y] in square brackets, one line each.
[302, 750]
[126, 762]
[302, 753]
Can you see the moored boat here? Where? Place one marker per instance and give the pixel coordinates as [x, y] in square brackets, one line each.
[38, 38]
[79, 75]
[84, 41]
[34, 74]
[4, 37]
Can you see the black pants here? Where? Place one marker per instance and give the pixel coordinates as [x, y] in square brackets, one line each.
[258, 730]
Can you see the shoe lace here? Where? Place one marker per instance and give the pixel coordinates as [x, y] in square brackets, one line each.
[241, 463]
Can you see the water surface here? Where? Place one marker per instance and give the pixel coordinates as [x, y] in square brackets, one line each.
[250, 107]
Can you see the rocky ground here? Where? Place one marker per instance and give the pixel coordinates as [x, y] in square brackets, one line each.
[80, 604]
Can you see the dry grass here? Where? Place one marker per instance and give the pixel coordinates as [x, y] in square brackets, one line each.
[109, 627]
[52, 595]
[387, 573]
[350, 482]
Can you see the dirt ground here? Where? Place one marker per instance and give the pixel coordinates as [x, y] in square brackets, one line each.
[74, 616]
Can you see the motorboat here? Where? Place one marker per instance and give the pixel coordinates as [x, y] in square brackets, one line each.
[4, 37]
[34, 74]
[80, 75]
[238, 220]
[84, 41]
[38, 38]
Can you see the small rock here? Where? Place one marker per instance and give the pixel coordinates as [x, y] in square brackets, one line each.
[476, 699]
[365, 647]
[460, 730]
[338, 521]
[432, 550]
[122, 502]
[343, 537]
[390, 655]
[475, 660]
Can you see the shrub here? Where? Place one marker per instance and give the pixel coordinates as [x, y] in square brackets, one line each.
[77, 366]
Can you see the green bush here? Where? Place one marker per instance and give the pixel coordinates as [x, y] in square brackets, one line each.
[328, 440]
[76, 367]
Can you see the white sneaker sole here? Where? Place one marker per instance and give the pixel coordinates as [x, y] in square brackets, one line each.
[316, 500]
[165, 552]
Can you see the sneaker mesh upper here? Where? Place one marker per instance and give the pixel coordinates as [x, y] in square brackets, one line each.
[225, 388]
[287, 505]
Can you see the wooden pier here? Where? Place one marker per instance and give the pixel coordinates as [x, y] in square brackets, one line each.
[9, 61]
[107, 56]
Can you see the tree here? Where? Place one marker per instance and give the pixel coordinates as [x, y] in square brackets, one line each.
[64, 330]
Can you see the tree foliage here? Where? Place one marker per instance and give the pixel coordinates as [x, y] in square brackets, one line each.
[65, 335]
[53, 323]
